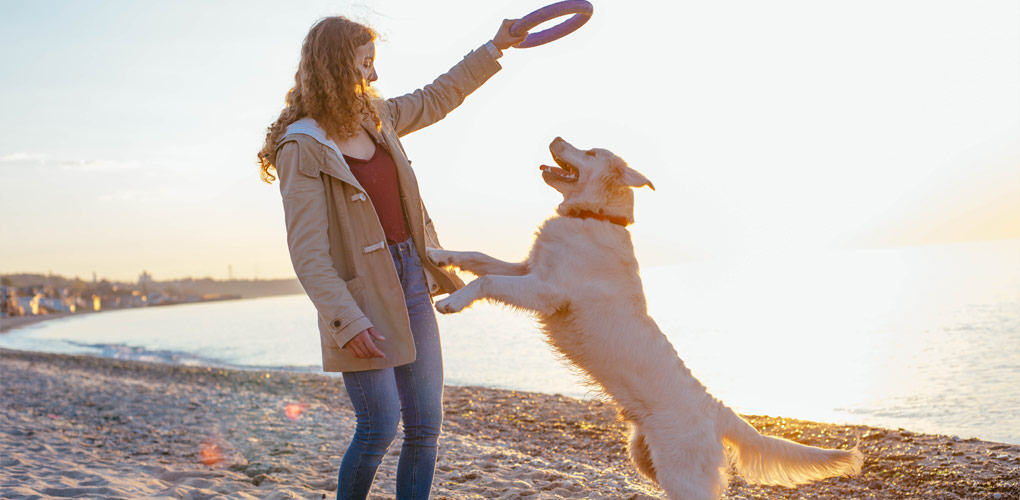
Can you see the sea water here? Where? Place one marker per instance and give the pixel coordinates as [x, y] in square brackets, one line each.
[923, 338]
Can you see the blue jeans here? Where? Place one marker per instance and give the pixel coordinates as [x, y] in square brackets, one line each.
[412, 392]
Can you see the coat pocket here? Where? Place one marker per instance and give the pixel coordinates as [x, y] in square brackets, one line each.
[357, 288]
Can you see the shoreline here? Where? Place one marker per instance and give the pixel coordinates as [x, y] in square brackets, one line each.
[100, 427]
[25, 321]
[8, 323]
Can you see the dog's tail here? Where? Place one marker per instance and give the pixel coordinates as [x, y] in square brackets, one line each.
[770, 460]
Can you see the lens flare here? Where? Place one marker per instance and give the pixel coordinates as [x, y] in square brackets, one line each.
[210, 453]
[294, 410]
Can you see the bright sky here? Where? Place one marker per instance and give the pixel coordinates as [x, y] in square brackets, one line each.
[128, 130]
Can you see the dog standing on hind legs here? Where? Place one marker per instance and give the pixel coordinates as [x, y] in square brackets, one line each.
[581, 279]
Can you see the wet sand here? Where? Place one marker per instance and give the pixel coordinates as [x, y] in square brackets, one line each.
[85, 427]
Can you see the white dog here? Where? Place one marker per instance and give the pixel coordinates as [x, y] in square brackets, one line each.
[581, 278]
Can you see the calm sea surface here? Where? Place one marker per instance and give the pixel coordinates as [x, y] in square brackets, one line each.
[924, 338]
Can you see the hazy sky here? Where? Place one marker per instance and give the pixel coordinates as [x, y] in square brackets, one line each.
[128, 130]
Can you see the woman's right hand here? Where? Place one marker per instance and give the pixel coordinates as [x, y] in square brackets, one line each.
[503, 39]
[362, 345]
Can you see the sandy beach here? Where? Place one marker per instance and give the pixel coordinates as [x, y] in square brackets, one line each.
[85, 427]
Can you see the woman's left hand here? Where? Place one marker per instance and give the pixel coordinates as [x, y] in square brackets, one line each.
[503, 39]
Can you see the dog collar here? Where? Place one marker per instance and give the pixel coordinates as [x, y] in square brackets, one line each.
[588, 214]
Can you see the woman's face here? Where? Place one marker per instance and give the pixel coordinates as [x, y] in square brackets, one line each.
[364, 60]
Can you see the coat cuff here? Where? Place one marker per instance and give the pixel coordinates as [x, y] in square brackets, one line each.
[482, 64]
[346, 331]
[493, 50]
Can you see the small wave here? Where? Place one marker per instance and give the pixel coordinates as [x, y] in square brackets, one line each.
[136, 353]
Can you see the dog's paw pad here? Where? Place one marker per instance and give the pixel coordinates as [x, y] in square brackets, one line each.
[449, 306]
[443, 306]
[438, 257]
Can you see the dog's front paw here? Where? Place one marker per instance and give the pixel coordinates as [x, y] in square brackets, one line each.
[440, 257]
[452, 304]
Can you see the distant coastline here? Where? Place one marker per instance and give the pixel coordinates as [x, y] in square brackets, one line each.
[27, 298]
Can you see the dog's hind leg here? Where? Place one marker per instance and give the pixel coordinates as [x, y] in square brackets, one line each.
[689, 464]
[476, 263]
[639, 453]
[526, 292]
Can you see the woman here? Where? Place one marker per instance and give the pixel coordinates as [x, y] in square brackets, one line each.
[349, 195]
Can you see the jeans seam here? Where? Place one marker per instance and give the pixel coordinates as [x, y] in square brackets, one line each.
[368, 432]
[417, 444]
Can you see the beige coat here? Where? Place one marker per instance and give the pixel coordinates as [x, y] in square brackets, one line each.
[336, 242]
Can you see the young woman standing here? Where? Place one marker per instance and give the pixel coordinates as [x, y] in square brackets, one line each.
[357, 232]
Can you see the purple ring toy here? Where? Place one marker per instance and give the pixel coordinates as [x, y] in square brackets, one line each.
[581, 9]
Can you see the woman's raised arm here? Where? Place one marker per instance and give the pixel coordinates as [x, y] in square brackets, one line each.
[433, 102]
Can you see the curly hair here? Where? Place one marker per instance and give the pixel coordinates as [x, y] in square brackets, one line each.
[327, 87]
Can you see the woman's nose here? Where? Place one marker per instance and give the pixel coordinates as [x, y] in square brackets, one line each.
[373, 77]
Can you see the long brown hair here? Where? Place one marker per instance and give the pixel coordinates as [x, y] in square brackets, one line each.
[327, 87]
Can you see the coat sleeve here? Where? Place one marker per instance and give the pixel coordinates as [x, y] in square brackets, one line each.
[305, 214]
[427, 105]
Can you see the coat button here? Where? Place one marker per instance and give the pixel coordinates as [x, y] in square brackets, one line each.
[336, 323]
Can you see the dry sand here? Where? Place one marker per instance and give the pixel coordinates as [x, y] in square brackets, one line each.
[85, 427]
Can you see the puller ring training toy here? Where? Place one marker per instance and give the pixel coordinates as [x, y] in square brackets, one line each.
[581, 9]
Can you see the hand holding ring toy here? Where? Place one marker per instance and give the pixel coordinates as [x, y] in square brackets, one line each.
[581, 9]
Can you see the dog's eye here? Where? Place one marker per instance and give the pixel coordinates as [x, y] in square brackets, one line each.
[590, 153]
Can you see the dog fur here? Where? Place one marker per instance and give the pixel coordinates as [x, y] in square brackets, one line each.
[581, 278]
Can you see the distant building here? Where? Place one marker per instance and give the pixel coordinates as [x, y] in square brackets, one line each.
[9, 302]
[30, 304]
[49, 305]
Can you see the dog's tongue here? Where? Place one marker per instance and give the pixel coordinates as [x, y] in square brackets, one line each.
[547, 168]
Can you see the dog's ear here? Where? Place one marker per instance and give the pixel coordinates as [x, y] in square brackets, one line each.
[635, 179]
[628, 176]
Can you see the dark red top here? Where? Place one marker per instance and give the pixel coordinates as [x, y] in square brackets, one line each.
[378, 175]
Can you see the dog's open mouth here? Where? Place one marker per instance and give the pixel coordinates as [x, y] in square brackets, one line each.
[564, 173]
